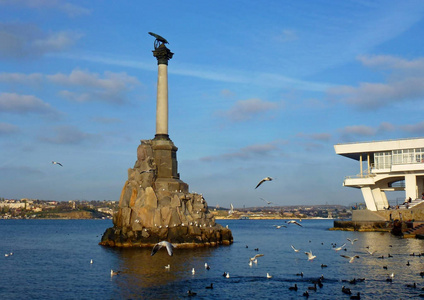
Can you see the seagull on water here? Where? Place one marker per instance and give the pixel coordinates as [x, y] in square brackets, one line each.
[168, 245]
[295, 250]
[351, 258]
[310, 255]
[193, 271]
[113, 273]
[279, 226]
[168, 267]
[339, 248]
[263, 180]
[268, 276]
[57, 163]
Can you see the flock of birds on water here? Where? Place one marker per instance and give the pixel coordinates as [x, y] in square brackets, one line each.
[317, 284]
[310, 257]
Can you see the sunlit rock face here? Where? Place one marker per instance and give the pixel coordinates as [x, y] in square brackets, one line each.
[155, 205]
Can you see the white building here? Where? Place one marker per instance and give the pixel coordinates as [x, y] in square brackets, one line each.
[393, 165]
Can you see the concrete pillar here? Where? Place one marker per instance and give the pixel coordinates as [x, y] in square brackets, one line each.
[411, 186]
[380, 198]
[163, 55]
[369, 198]
[162, 101]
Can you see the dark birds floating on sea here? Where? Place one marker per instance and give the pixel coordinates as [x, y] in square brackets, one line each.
[168, 245]
[263, 180]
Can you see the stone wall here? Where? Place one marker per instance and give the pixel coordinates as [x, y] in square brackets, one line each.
[153, 208]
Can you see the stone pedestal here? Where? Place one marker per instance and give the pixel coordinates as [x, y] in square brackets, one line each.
[156, 205]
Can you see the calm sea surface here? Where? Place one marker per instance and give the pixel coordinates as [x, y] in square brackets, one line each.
[51, 260]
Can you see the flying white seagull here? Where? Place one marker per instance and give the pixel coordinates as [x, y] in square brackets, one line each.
[168, 245]
[231, 211]
[339, 248]
[263, 180]
[371, 252]
[295, 250]
[351, 258]
[310, 255]
[294, 222]
[255, 257]
[57, 163]
[267, 202]
[352, 241]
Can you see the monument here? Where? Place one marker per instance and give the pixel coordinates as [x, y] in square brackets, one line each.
[155, 205]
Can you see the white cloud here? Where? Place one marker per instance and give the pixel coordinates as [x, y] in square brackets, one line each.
[70, 9]
[323, 137]
[404, 83]
[6, 129]
[34, 78]
[15, 103]
[417, 128]
[112, 88]
[388, 62]
[21, 40]
[286, 35]
[249, 152]
[68, 135]
[244, 110]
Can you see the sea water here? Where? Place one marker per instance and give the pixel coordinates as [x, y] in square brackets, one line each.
[51, 260]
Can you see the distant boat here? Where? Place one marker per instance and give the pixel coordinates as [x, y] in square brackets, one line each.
[244, 218]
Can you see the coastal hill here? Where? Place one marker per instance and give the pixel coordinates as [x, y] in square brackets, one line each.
[76, 209]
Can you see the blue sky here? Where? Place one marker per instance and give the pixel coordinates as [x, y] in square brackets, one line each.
[256, 89]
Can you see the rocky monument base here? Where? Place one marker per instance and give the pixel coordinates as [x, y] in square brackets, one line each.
[155, 205]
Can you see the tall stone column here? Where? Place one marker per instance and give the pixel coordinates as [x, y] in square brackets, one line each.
[162, 54]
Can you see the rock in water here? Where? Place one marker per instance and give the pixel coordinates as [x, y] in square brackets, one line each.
[155, 205]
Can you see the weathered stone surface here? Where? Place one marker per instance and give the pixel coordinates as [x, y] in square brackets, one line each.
[155, 205]
[151, 200]
[175, 201]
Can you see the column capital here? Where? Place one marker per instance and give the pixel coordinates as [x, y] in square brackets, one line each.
[162, 54]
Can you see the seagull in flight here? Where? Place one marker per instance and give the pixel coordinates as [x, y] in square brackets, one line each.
[371, 252]
[339, 248]
[310, 255]
[263, 180]
[168, 245]
[352, 241]
[351, 258]
[295, 250]
[57, 163]
[294, 222]
[267, 202]
[255, 257]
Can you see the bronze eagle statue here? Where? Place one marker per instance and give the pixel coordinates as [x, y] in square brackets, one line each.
[159, 38]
